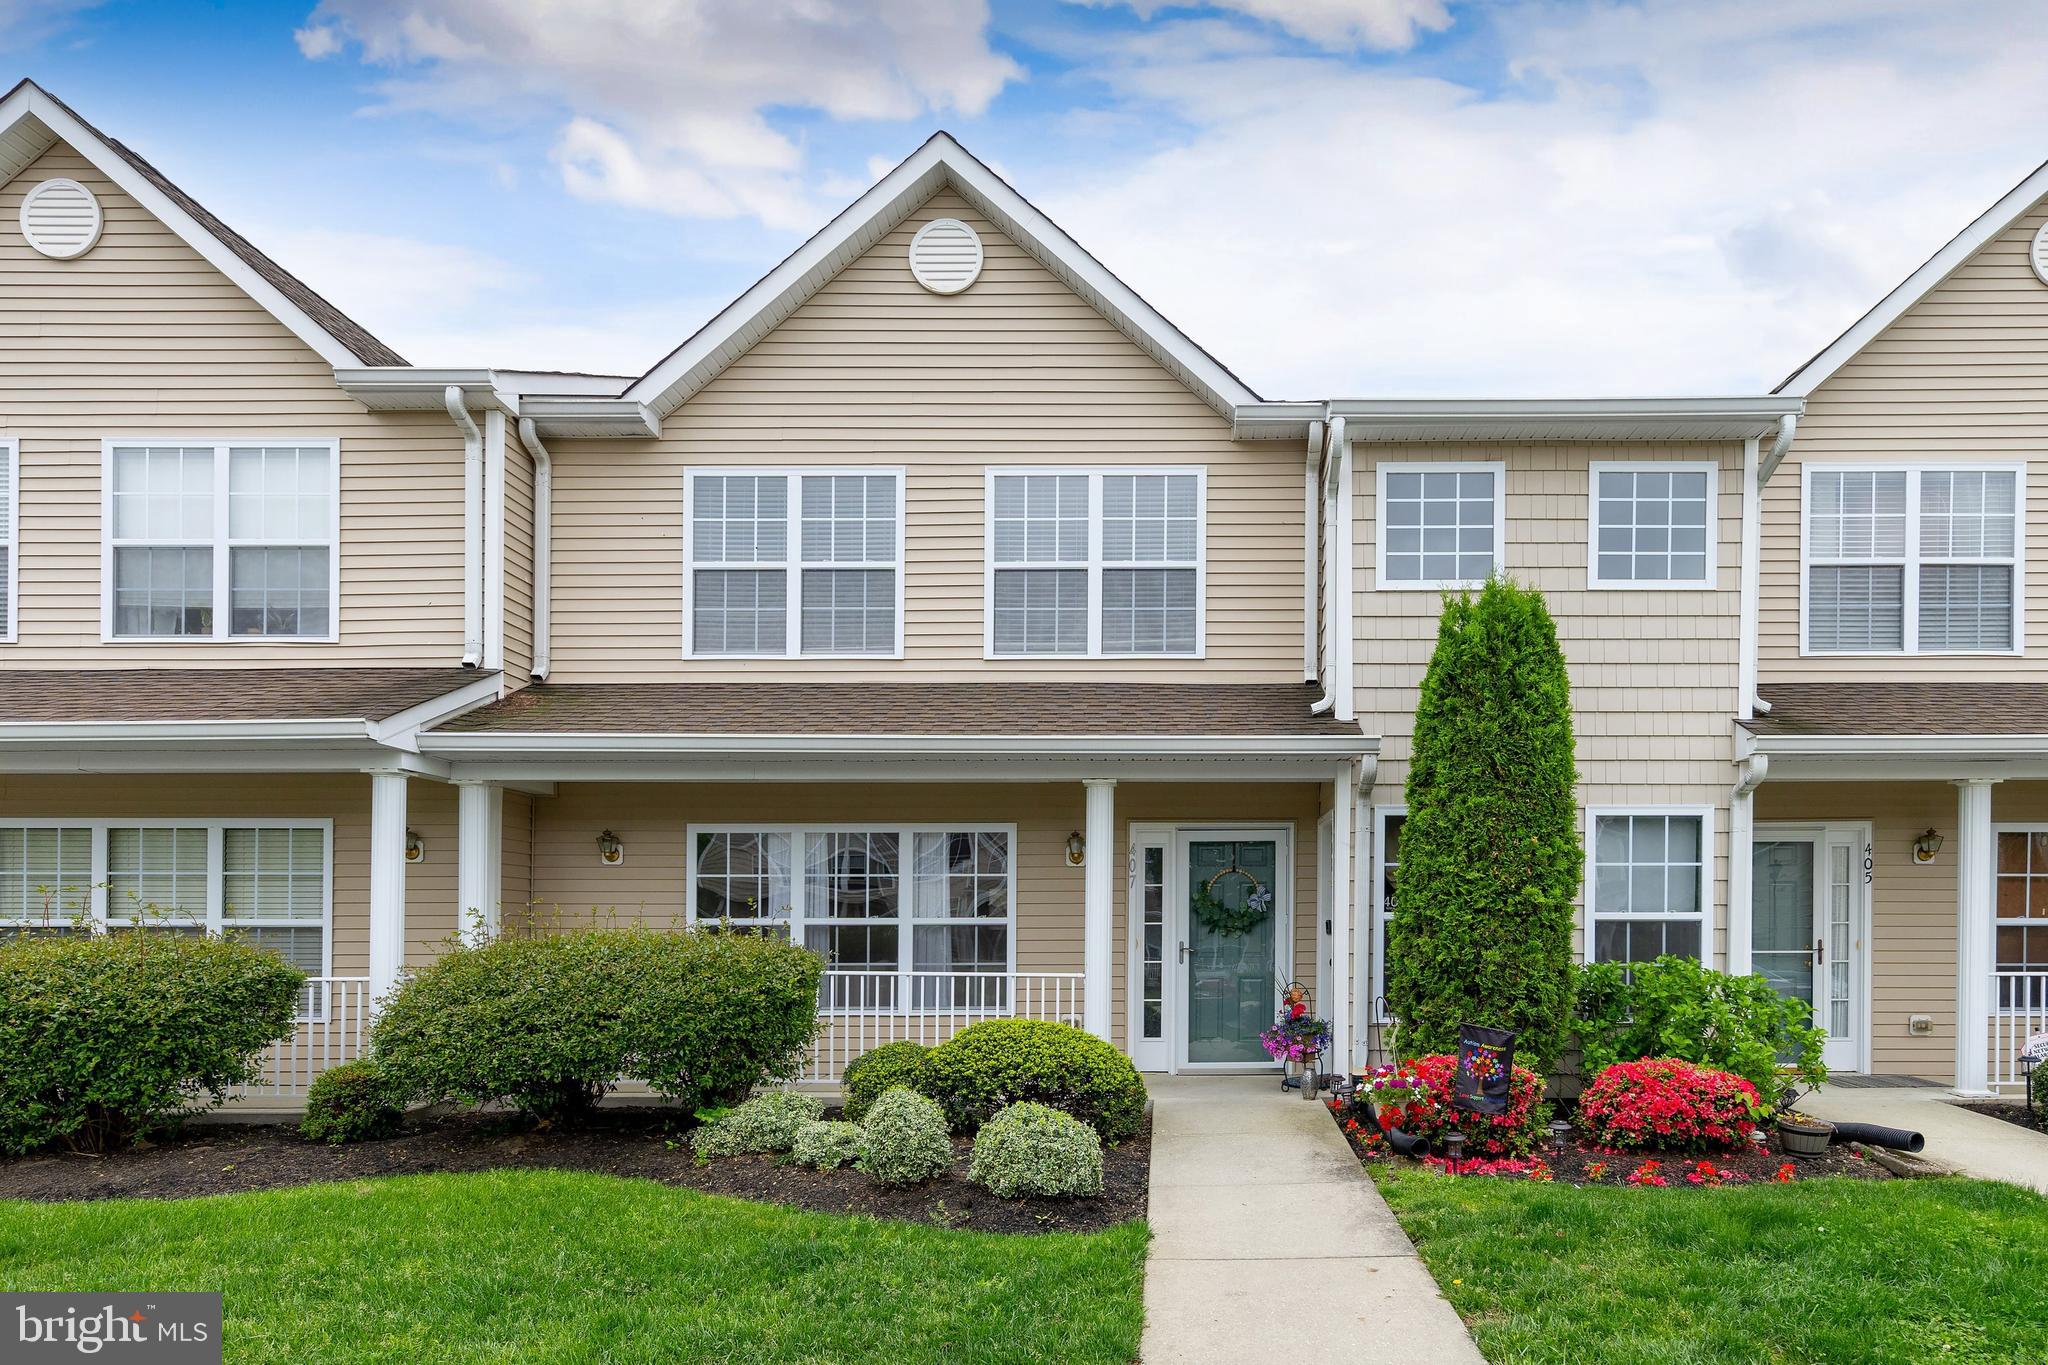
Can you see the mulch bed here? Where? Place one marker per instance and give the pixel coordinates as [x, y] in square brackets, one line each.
[639, 1141]
[1574, 1165]
[2010, 1112]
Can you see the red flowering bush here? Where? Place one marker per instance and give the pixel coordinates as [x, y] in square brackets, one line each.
[1416, 1098]
[1663, 1104]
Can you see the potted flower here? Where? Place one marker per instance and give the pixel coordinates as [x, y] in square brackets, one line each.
[1298, 1037]
[1803, 1134]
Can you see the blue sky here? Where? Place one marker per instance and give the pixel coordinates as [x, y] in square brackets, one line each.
[1361, 197]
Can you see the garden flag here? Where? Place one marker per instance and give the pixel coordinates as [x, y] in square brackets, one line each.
[1486, 1063]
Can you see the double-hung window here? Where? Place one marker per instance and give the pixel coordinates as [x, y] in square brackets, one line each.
[2020, 918]
[1649, 884]
[1095, 563]
[1441, 525]
[10, 556]
[794, 563]
[1913, 561]
[1652, 525]
[220, 540]
[908, 918]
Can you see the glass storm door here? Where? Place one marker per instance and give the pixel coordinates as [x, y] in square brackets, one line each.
[1805, 903]
[1235, 907]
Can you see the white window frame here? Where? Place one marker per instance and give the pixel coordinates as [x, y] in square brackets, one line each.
[1713, 551]
[1910, 628]
[1999, 921]
[1497, 468]
[12, 632]
[1382, 914]
[1095, 563]
[906, 968]
[792, 564]
[1709, 860]
[221, 543]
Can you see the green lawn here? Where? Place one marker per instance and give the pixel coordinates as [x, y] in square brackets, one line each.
[550, 1266]
[1835, 1270]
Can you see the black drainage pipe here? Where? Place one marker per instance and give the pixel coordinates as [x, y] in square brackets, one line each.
[1406, 1144]
[1876, 1135]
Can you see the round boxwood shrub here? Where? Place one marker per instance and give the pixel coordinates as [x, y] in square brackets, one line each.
[548, 1025]
[766, 1123]
[1002, 1061]
[826, 1144]
[350, 1103]
[903, 1140]
[1415, 1097]
[108, 1037]
[1667, 1105]
[880, 1069]
[1031, 1149]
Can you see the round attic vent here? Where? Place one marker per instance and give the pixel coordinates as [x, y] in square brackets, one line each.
[60, 218]
[945, 256]
[2039, 254]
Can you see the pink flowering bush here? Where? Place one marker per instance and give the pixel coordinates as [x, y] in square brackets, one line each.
[1663, 1104]
[1416, 1098]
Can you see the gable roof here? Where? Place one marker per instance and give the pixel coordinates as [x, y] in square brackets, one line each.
[1991, 225]
[32, 120]
[941, 162]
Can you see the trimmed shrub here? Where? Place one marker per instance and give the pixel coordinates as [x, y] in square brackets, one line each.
[1031, 1149]
[880, 1069]
[1416, 1098]
[350, 1103]
[903, 1141]
[1664, 1104]
[1001, 1061]
[826, 1144]
[2039, 1085]
[766, 1123]
[1676, 1007]
[547, 1025]
[1490, 852]
[105, 1038]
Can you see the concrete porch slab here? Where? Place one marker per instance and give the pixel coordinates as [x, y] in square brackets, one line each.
[1977, 1144]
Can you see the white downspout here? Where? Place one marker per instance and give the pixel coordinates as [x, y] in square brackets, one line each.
[1751, 556]
[543, 512]
[472, 527]
[1311, 551]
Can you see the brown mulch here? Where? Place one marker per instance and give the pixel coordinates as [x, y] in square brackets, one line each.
[2037, 1120]
[638, 1141]
[1573, 1166]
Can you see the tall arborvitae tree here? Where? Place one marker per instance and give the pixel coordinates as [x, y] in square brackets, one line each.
[1490, 853]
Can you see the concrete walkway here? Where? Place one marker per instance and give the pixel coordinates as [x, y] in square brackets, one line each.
[1976, 1143]
[1269, 1243]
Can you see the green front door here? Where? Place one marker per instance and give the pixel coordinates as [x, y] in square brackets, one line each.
[1236, 908]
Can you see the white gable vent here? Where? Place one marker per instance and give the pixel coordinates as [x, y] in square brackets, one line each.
[2039, 254]
[60, 218]
[945, 256]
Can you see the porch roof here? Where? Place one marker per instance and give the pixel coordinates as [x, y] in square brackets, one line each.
[1949, 708]
[92, 695]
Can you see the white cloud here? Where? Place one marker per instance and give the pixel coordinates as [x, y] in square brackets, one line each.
[24, 23]
[1385, 25]
[662, 106]
[398, 287]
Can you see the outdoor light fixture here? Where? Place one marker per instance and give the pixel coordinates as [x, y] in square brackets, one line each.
[1926, 846]
[415, 847]
[610, 851]
[1454, 1150]
[1077, 849]
[1559, 1130]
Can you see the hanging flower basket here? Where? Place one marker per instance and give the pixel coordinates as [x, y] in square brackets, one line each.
[1227, 921]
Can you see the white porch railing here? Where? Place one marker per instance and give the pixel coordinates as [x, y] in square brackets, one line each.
[859, 1011]
[2019, 1009]
[334, 1019]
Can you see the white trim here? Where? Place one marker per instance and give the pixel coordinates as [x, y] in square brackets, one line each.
[601, 743]
[1914, 560]
[1749, 589]
[1708, 580]
[221, 544]
[1590, 912]
[492, 573]
[793, 564]
[1094, 565]
[1381, 913]
[1149, 1054]
[1497, 468]
[1399, 420]
[1856, 835]
[12, 631]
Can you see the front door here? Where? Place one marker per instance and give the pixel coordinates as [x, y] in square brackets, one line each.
[1807, 929]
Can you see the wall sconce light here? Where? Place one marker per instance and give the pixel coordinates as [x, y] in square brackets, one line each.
[415, 847]
[610, 851]
[1077, 849]
[1926, 846]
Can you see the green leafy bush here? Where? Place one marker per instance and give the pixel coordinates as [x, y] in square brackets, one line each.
[2039, 1084]
[826, 1144]
[350, 1103]
[766, 1123]
[108, 1037]
[1031, 1149]
[1002, 1061]
[548, 1025]
[1490, 851]
[880, 1069]
[1677, 1007]
[903, 1140]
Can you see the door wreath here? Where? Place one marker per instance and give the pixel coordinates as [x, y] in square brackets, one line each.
[1231, 921]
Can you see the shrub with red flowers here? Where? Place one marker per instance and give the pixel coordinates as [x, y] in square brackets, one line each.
[1416, 1098]
[1663, 1104]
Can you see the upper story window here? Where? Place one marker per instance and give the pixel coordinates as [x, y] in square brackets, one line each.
[785, 563]
[1441, 525]
[220, 540]
[1100, 564]
[1652, 526]
[10, 557]
[1912, 561]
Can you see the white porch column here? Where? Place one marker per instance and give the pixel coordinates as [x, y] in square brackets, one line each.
[1098, 932]
[1976, 875]
[387, 880]
[1337, 1009]
[480, 819]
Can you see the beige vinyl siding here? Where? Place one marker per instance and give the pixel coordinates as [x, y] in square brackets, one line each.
[1960, 376]
[518, 575]
[515, 859]
[141, 336]
[1018, 370]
